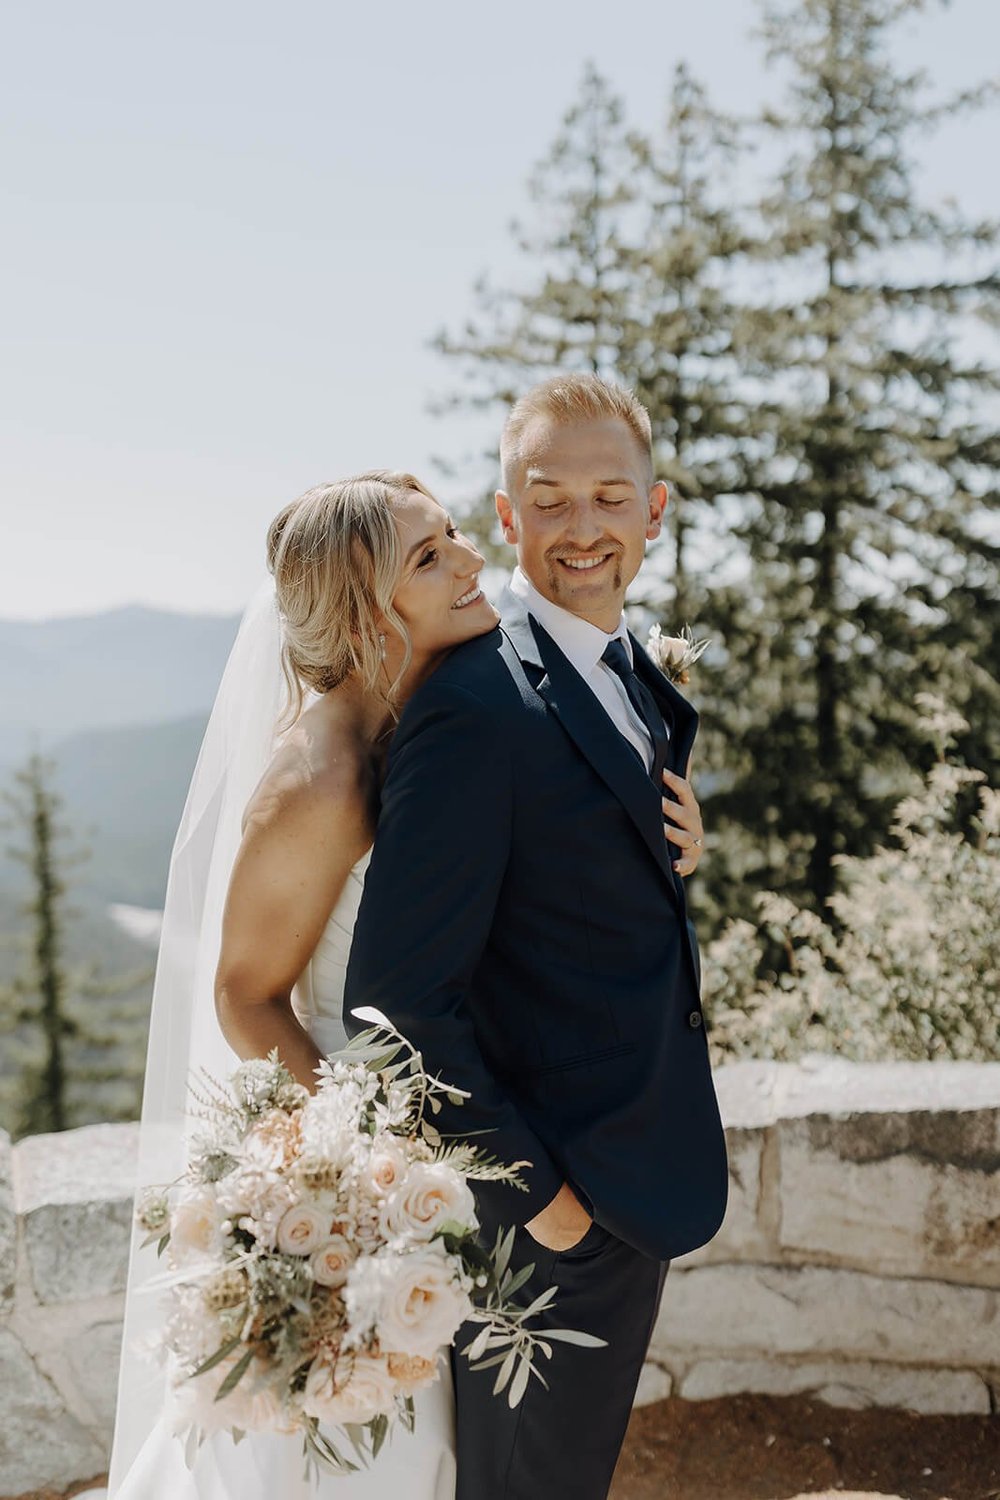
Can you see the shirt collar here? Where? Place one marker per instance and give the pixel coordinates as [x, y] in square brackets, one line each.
[580, 642]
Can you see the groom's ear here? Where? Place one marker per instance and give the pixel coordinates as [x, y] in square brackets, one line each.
[658, 497]
[508, 517]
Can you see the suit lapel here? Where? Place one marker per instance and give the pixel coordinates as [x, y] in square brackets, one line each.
[589, 727]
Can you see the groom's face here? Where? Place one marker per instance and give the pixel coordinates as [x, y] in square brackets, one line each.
[581, 508]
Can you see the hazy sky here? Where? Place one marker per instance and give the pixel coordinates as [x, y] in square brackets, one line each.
[230, 230]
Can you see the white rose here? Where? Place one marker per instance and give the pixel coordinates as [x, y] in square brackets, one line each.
[195, 1224]
[332, 1261]
[427, 1197]
[301, 1230]
[667, 650]
[356, 1389]
[386, 1165]
[422, 1305]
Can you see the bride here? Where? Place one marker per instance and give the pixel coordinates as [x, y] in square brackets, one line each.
[373, 585]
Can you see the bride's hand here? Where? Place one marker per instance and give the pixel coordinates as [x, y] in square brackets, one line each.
[682, 822]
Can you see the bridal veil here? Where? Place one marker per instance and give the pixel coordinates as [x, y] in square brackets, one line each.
[184, 1035]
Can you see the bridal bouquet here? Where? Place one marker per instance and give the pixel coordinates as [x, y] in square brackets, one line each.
[321, 1256]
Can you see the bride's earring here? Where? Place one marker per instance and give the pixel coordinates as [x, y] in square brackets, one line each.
[381, 645]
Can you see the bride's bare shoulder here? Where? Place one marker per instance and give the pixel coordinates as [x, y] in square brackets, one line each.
[321, 767]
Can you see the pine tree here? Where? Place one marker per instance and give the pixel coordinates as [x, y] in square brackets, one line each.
[631, 266]
[61, 1048]
[867, 539]
[675, 350]
[807, 370]
[41, 996]
[571, 316]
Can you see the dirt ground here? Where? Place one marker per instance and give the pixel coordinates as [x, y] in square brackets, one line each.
[765, 1448]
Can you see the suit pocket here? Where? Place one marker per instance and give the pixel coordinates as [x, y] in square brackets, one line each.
[583, 1059]
[595, 1239]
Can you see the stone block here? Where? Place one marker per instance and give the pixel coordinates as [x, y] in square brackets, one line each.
[41, 1445]
[913, 1194]
[75, 1199]
[8, 1226]
[655, 1384]
[759, 1093]
[781, 1310]
[93, 1360]
[742, 1236]
[839, 1383]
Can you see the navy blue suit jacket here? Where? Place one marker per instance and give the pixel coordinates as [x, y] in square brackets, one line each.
[522, 925]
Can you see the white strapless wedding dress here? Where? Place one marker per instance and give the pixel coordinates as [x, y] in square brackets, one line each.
[411, 1466]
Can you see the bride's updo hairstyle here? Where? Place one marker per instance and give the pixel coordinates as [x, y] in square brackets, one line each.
[336, 560]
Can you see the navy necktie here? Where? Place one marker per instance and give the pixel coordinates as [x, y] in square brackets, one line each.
[616, 657]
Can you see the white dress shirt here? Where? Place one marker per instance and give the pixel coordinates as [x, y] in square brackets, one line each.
[583, 645]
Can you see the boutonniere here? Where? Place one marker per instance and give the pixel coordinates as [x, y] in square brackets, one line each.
[675, 654]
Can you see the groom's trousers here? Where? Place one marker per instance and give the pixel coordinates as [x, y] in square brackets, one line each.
[561, 1443]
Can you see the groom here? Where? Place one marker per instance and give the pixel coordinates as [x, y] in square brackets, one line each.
[523, 925]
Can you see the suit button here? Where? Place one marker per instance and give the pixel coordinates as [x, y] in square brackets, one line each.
[694, 1019]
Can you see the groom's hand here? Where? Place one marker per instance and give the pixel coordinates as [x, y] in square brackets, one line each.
[561, 1223]
[682, 821]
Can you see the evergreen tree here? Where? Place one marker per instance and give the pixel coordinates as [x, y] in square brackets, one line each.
[42, 994]
[866, 532]
[675, 347]
[806, 366]
[629, 239]
[572, 315]
[634, 247]
[61, 1048]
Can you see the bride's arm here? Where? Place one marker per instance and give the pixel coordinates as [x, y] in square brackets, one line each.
[303, 834]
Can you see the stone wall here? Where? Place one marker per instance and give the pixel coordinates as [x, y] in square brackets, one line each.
[65, 1217]
[859, 1261]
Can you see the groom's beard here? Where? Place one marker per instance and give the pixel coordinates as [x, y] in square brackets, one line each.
[610, 574]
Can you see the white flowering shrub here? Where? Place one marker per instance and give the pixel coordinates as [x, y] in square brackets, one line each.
[910, 965]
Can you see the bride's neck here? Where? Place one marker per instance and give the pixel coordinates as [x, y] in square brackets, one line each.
[371, 716]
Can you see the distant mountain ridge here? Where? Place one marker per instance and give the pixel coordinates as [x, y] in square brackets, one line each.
[127, 666]
[124, 792]
[119, 700]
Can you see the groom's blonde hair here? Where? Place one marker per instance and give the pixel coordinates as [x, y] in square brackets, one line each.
[336, 560]
[566, 400]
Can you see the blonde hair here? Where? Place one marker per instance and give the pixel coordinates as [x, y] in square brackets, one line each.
[336, 560]
[565, 399]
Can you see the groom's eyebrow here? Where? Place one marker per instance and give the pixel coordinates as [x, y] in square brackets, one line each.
[535, 476]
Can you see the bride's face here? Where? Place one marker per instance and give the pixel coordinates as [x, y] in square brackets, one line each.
[438, 597]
